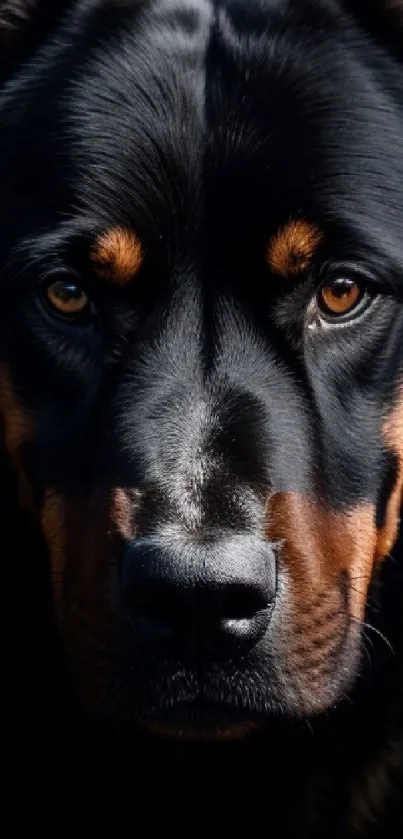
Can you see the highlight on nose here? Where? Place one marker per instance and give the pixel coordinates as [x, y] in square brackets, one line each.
[214, 597]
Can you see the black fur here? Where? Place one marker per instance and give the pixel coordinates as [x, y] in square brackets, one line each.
[204, 126]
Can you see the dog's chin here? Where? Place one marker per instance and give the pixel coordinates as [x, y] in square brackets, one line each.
[202, 721]
[193, 716]
[227, 701]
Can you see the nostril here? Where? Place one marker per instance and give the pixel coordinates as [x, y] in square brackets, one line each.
[242, 603]
[154, 608]
[218, 599]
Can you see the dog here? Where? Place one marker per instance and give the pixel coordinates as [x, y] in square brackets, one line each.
[201, 383]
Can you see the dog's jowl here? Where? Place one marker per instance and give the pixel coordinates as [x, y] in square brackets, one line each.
[201, 374]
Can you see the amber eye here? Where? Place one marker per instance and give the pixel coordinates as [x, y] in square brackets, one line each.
[340, 297]
[67, 298]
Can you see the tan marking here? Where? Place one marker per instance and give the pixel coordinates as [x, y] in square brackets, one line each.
[293, 247]
[228, 734]
[118, 255]
[53, 521]
[393, 435]
[319, 544]
[81, 540]
[123, 504]
[18, 429]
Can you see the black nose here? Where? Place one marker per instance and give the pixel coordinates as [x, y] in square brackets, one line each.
[215, 597]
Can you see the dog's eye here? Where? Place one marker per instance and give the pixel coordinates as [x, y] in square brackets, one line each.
[67, 298]
[341, 298]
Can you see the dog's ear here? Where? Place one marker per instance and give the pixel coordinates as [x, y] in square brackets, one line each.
[23, 23]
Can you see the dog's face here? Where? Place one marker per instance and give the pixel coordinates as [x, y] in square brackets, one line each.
[202, 345]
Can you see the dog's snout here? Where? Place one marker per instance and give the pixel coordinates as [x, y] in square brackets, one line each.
[216, 598]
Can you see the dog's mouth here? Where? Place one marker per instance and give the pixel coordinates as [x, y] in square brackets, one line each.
[200, 719]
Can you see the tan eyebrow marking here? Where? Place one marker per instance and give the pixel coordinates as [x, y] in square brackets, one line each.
[118, 255]
[293, 247]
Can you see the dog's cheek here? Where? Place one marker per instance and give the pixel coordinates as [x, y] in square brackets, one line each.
[53, 521]
[74, 532]
[84, 537]
[393, 436]
[325, 565]
[18, 430]
[320, 547]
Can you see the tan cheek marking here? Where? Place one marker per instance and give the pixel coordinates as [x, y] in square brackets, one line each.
[53, 520]
[118, 255]
[122, 508]
[393, 435]
[293, 247]
[18, 429]
[78, 535]
[320, 543]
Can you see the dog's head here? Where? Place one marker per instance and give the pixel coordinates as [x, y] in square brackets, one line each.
[201, 342]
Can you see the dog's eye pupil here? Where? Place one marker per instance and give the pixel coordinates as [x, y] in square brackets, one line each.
[339, 297]
[67, 297]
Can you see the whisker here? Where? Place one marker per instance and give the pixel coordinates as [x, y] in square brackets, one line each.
[375, 630]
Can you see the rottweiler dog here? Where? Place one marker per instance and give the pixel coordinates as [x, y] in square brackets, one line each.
[201, 380]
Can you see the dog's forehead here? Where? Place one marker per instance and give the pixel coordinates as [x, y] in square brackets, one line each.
[176, 99]
[137, 115]
[179, 107]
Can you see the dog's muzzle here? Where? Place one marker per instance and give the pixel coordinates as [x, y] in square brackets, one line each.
[213, 597]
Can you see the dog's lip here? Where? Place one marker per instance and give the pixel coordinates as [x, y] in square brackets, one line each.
[202, 719]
